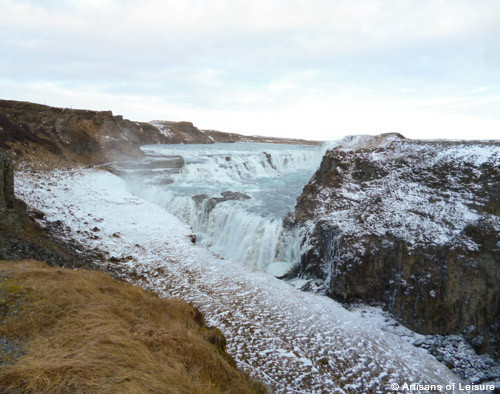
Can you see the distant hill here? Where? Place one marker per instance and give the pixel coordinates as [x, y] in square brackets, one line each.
[219, 136]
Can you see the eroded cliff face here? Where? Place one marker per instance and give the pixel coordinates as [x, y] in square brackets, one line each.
[49, 135]
[412, 225]
[52, 137]
[6, 183]
[181, 132]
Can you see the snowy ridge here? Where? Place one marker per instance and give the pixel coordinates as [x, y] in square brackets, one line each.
[293, 341]
[162, 127]
[356, 142]
[411, 225]
[406, 199]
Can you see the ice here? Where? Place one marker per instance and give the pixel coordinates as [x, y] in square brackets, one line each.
[279, 268]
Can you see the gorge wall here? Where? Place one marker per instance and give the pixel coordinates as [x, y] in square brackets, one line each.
[47, 135]
[411, 225]
[50, 137]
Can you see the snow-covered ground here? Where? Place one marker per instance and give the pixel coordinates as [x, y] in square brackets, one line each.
[291, 340]
[426, 194]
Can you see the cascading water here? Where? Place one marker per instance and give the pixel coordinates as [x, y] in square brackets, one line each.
[234, 196]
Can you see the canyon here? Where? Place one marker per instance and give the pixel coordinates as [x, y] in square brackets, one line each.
[410, 226]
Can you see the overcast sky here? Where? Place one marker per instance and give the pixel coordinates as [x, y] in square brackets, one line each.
[318, 69]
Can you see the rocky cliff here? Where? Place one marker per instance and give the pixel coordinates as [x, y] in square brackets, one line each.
[6, 183]
[49, 135]
[411, 225]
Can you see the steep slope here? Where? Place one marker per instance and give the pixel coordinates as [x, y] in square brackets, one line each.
[413, 225]
[60, 136]
[22, 237]
[76, 330]
[81, 331]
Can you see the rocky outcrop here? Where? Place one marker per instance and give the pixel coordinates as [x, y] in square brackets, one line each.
[181, 132]
[211, 202]
[219, 136]
[411, 225]
[6, 183]
[51, 136]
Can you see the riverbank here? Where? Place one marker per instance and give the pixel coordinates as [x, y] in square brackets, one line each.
[81, 331]
[290, 340]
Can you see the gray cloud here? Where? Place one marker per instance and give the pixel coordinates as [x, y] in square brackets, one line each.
[240, 59]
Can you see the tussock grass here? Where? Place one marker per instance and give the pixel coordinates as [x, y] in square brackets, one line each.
[84, 332]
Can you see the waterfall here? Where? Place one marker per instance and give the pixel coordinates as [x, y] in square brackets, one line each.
[234, 196]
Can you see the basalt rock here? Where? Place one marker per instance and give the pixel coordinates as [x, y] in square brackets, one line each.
[6, 182]
[410, 225]
[49, 136]
[211, 202]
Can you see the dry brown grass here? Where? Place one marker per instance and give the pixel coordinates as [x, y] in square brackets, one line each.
[82, 331]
